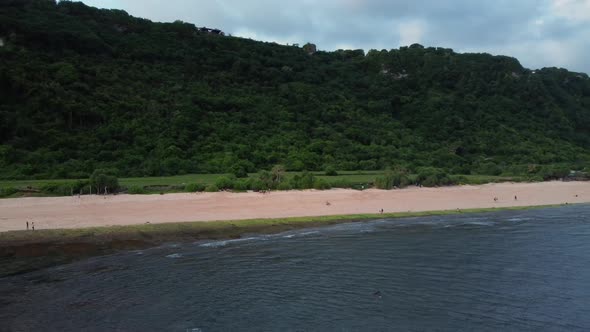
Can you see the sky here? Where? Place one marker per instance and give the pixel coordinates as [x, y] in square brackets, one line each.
[540, 33]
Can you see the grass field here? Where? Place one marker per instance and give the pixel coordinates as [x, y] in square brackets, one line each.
[354, 179]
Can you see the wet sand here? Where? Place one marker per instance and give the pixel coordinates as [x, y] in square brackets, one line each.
[89, 211]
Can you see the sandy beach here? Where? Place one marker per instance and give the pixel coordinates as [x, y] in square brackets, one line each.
[88, 211]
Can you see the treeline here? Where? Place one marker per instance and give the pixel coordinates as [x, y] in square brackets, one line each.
[84, 89]
[103, 182]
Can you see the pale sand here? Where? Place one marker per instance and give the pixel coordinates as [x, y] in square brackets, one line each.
[74, 212]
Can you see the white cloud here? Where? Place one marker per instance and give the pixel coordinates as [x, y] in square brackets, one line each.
[411, 32]
[577, 10]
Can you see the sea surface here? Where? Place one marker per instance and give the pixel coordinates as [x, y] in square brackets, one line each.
[505, 271]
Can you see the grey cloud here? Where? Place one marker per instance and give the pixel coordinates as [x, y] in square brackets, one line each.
[500, 27]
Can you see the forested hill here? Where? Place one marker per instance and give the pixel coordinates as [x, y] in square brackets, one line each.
[83, 88]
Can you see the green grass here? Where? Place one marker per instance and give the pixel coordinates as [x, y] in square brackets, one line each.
[167, 184]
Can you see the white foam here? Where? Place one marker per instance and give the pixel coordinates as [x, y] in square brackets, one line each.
[175, 255]
[226, 242]
[519, 219]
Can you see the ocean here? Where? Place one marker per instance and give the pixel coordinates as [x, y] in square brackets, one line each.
[523, 270]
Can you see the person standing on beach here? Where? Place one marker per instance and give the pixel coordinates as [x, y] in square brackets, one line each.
[515, 198]
[27, 225]
[33, 225]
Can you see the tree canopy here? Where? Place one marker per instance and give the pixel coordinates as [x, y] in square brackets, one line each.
[83, 88]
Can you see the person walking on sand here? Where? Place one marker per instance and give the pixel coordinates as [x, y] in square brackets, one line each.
[515, 198]
[33, 225]
[27, 225]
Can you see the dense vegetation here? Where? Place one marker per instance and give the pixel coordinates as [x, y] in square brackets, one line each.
[84, 89]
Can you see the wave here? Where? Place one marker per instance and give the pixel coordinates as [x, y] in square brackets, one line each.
[175, 255]
[224, 243]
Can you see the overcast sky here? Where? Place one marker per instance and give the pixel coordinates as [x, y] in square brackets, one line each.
[540, 33]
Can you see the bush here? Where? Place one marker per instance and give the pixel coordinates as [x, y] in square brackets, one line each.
[304, 180]
[136, 190]
[242, 184]
[321, 184]
[257, 185]
[8, 191]
[104, 180]
[284, 186]
[239, 171]
[432, 177]
[459, 179]
[489, 168]
[194, 187]
[553, 172]
[225, 182]
[341, 183]
[265, 177]
[331, 171]
[211, 188]
[392, 178]
[48, 188]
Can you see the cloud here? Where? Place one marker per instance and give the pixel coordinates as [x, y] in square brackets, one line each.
[577, 10]
[411, 32]
[538, 32]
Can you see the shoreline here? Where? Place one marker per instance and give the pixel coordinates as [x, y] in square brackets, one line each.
[71, 228]
[27, 251]
[118, 210]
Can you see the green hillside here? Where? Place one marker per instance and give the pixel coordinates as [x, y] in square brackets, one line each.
[84, 89]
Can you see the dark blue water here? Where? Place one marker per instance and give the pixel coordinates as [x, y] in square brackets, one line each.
[527, 270]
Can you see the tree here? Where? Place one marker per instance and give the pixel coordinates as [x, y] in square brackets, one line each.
[278, 173]
[104, 181]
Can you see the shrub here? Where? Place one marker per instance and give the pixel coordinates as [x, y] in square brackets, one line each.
[211, 188]
[431, 177]
[194, 187]
[136, 190]
[341, 183]
[392, 178]
[459, 179]
[553, 172]
[242, 184]
[331, 171]
[266, 178]
[8, 191]
[48, 188]
[489, 168]
[257, 185]
[307, 180]
[304, 180]
[321, 184]
[239, 171]
[225, 182]
[284, 186]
